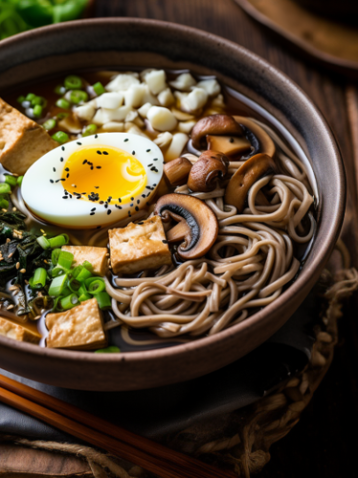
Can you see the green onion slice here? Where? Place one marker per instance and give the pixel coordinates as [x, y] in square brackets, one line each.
[12, 180]
[65, 259]
[54, 256]
[58, 241]
[60, 137]
[98, 88]
[57, 285]
[104, 300]
[96, 286]
[78, 96]
[69, 301]
[38, 280]
[73, 82]
[5, 188]
[112, 349]
[49, 124]
[44, 243]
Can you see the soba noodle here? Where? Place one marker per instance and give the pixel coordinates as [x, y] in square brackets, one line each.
[248, 266]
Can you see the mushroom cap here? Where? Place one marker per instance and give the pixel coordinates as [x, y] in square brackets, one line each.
[240, 183]
[210, 166]
[216, 125]
[202, 230]
[265, 144]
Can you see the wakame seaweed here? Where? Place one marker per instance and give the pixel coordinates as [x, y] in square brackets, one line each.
[18, 246]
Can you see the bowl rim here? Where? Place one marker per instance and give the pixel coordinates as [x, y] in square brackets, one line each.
[260, 316]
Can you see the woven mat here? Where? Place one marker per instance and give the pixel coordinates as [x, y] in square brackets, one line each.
[239, 440]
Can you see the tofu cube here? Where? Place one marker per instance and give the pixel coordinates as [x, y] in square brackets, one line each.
[13, 330]
[22, 141]
[77, 328]
[137, 247]
[97, 256]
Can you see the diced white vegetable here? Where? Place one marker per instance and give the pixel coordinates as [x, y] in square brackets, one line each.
[149, 98]
[143, 110]
[166, 97]
[218, 102]
[133, 97]
[86, 111]
[110, 101]
[196, 99]
[186, 126]
[113, 127]
[156, 81]
[181, 115]
[183, 82]
[104, 115]
[131, 115]
[161, 118]
[139, 122]
[176, 146]
[132, 128]
[212, 86]
[122, 82]
[163, 139]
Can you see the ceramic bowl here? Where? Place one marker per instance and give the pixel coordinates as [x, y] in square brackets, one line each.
[115, 43]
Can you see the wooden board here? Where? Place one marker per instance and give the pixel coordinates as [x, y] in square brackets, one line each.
[322, 441]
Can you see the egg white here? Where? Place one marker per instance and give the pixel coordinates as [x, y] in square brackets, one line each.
[45, 199]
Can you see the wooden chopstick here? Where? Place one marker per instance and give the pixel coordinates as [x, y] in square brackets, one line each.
[152, 456]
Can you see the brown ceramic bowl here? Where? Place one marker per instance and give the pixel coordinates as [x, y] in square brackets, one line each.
[115, 43]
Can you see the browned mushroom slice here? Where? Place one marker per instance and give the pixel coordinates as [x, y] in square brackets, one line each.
[200, 226]
[211, 166]
[240, 183]
[259, 139]
[229, 145]
[176, 172]
[215, 125]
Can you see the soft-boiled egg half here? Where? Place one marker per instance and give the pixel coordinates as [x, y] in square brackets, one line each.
[93, 181]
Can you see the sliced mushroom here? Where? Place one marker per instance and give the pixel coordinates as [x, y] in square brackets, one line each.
[215, 125]
[229, 145]
[231, 135]
[211, 166]
[259, 139]
[176, 172]
[240, 183]
[198, 224]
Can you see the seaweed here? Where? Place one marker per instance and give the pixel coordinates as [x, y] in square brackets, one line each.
[20, 254]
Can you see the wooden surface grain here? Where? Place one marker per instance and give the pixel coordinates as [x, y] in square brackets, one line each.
[325, 441]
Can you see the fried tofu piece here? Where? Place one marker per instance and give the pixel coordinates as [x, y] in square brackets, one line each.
[78, 328]
[137, 247]
[22, 141]
[97, 256]
[13, 330]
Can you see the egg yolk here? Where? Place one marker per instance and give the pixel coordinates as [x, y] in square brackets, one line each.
[102, 173]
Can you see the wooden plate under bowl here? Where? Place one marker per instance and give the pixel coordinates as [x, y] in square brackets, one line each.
[118, 43]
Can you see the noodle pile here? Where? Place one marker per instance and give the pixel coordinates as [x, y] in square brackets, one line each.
[248, 266]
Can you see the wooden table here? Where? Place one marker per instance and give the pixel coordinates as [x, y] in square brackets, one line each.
[325, 441]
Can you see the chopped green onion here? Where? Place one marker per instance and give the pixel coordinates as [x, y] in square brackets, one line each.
[58, 241]
[69, 301]
[64, 104]
[58, 271]
[88, 266]
[104, 300]
[89, 130]
[57, 285]
[62, 115]
[5, 188]
[96, 286]
[112, 349]
[84, 297]
[44, 243]
[78, 96]
[98, 88]
[21, 99]
[81, 273]
[37, 111]
[60, 137]
[19, 180]
[65, 259]
[39, 278]
[74, 285]
[30, 96]
[49, 124]
[54, 256]
[73, 82]
[39, 100]
[12, 180]
[60, 90]
[4, 203]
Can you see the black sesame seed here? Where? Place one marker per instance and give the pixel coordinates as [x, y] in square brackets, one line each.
[91, 168]
[231, 140]
[57, 180]
[106, 205]
[132, 199]
[67, 175]
[140, 223]
[62, 179]
[92, 213]
[109, 199]
[133, 152]
[143, 195]
[164, 241]
[155, 159]
[80, 144]
[98, 167]
[96, 187]
[131, 205]
[99, 152]
[96, 136]
[85, 161]
[138, 201]
[154, 184]
[149, 165]
[126, 140]
[61, 159]
[105, 153]
[109, 212]
[64, 197]
[136, 208]
[119, 200]
[63, 148]
[148, 150]
[101, 202]
[70, 196]
[93, 209]
[67, 169]
[51, 181]
[153, 168]
[54, 170]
